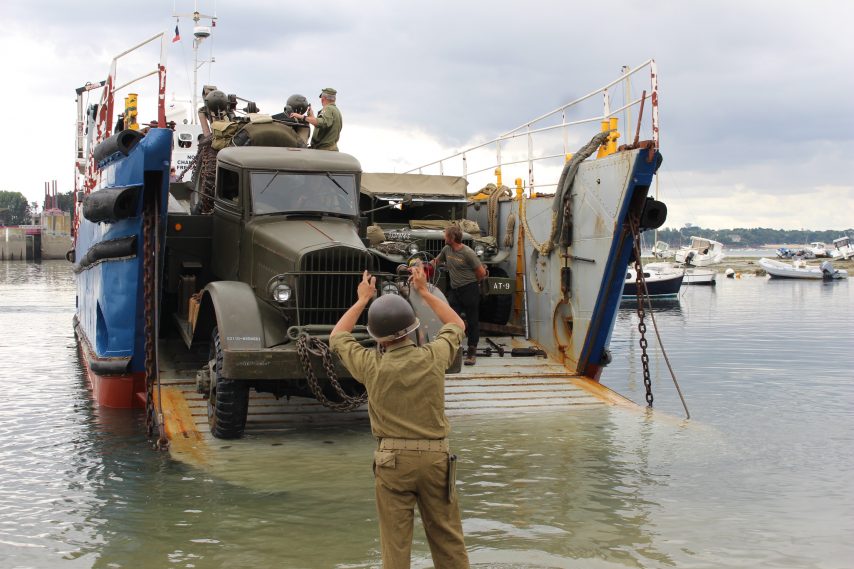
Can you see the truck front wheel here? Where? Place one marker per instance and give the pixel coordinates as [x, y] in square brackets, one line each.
[228, 402]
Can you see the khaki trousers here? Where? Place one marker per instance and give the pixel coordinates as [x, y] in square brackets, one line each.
[402, 480]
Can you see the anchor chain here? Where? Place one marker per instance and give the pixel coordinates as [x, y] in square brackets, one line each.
[308, 345]
[149, 290]
[641, 293]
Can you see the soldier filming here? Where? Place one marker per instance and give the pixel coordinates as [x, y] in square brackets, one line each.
[327, 123]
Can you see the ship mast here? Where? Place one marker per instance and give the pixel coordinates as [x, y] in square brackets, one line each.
[200, 33]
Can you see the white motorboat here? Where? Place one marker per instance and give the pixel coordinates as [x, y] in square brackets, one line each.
[662, 250]
[660, 283]
[691, 275]
[700, 253]
[842, 248]
[694, 276]
[798, 269]
[818, 249]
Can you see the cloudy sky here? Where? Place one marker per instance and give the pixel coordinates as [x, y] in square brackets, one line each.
[756, 97]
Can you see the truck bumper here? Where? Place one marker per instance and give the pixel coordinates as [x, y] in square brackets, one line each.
[278, 363]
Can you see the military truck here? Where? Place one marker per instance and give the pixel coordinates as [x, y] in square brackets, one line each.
[264, 277]
[407, 215]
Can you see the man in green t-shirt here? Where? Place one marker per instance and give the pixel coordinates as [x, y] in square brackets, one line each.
[327, 123]
[466, 272]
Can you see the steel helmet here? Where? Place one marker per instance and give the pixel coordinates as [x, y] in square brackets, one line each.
[216, 101]
[390, 317]
[298, 103]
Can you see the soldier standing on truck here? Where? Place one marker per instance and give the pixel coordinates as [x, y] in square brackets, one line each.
[327, 123]
[466, 272]
[406, 406]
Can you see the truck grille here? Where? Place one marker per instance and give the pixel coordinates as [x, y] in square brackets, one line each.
[327, 281]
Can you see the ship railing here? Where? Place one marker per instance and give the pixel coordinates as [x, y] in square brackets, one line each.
[86, 174]
[104, 123]
[530, 150]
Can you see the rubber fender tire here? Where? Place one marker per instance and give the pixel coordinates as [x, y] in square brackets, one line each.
[228, 401]
[495, 309]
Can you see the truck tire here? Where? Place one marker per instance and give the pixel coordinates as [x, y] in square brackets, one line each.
[495, 308]
[228, 402]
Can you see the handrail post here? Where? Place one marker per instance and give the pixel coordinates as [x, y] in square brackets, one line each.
[161, 85]
[565, 131]
[653, 73]
[530, 162]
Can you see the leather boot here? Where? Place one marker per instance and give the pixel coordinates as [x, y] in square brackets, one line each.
[471, 356]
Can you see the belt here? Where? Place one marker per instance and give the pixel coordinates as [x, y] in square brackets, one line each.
[464, 286]
[432, 445]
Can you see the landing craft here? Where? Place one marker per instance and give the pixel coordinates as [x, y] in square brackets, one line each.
[214, 313]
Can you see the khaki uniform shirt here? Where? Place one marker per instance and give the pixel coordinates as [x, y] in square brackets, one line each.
[461, 265]
[406, 385]
[328, 129]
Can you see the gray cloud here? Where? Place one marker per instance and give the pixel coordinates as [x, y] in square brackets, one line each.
[742, 83]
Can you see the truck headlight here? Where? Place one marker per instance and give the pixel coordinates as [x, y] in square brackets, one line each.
[413, 248]
[281, 292]
[389, 288]
[479, 250]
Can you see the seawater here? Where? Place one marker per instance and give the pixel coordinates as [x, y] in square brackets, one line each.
[761, 476]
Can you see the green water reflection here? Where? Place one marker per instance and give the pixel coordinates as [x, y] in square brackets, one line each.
[763, 476]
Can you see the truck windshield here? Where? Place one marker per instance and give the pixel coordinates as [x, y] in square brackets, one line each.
[288, 192]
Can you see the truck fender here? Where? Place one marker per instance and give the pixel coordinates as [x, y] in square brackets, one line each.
[233, 308]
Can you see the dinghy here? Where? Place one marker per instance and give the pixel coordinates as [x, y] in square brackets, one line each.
[798, 269]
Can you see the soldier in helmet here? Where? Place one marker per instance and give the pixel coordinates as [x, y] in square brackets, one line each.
[204, 113]
[296, 106]
[327, 123]
[406, 406]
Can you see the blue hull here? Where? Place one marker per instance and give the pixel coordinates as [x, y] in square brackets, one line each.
[110, 303]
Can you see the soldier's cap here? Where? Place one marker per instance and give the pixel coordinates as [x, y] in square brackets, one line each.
[328, 91]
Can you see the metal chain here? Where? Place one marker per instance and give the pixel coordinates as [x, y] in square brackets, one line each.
[205, 169]
[149, 290]
[640, 292]
[308, 345]
[148, 297]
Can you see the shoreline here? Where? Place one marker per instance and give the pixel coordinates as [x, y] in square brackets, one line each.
[750, 265]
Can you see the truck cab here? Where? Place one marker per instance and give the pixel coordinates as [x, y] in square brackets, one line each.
[275, 263]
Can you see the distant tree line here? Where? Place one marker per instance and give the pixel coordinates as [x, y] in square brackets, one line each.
[741, 237]
[16, 210]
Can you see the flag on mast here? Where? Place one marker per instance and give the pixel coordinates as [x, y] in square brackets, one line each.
[177, 35]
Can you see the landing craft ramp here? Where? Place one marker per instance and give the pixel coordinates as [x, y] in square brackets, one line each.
[495, 385]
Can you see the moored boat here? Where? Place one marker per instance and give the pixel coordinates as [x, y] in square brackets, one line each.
[691, 275]
[842, 248]
[660, 282]
[818, 249]
[798, 269]
[700, 252]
